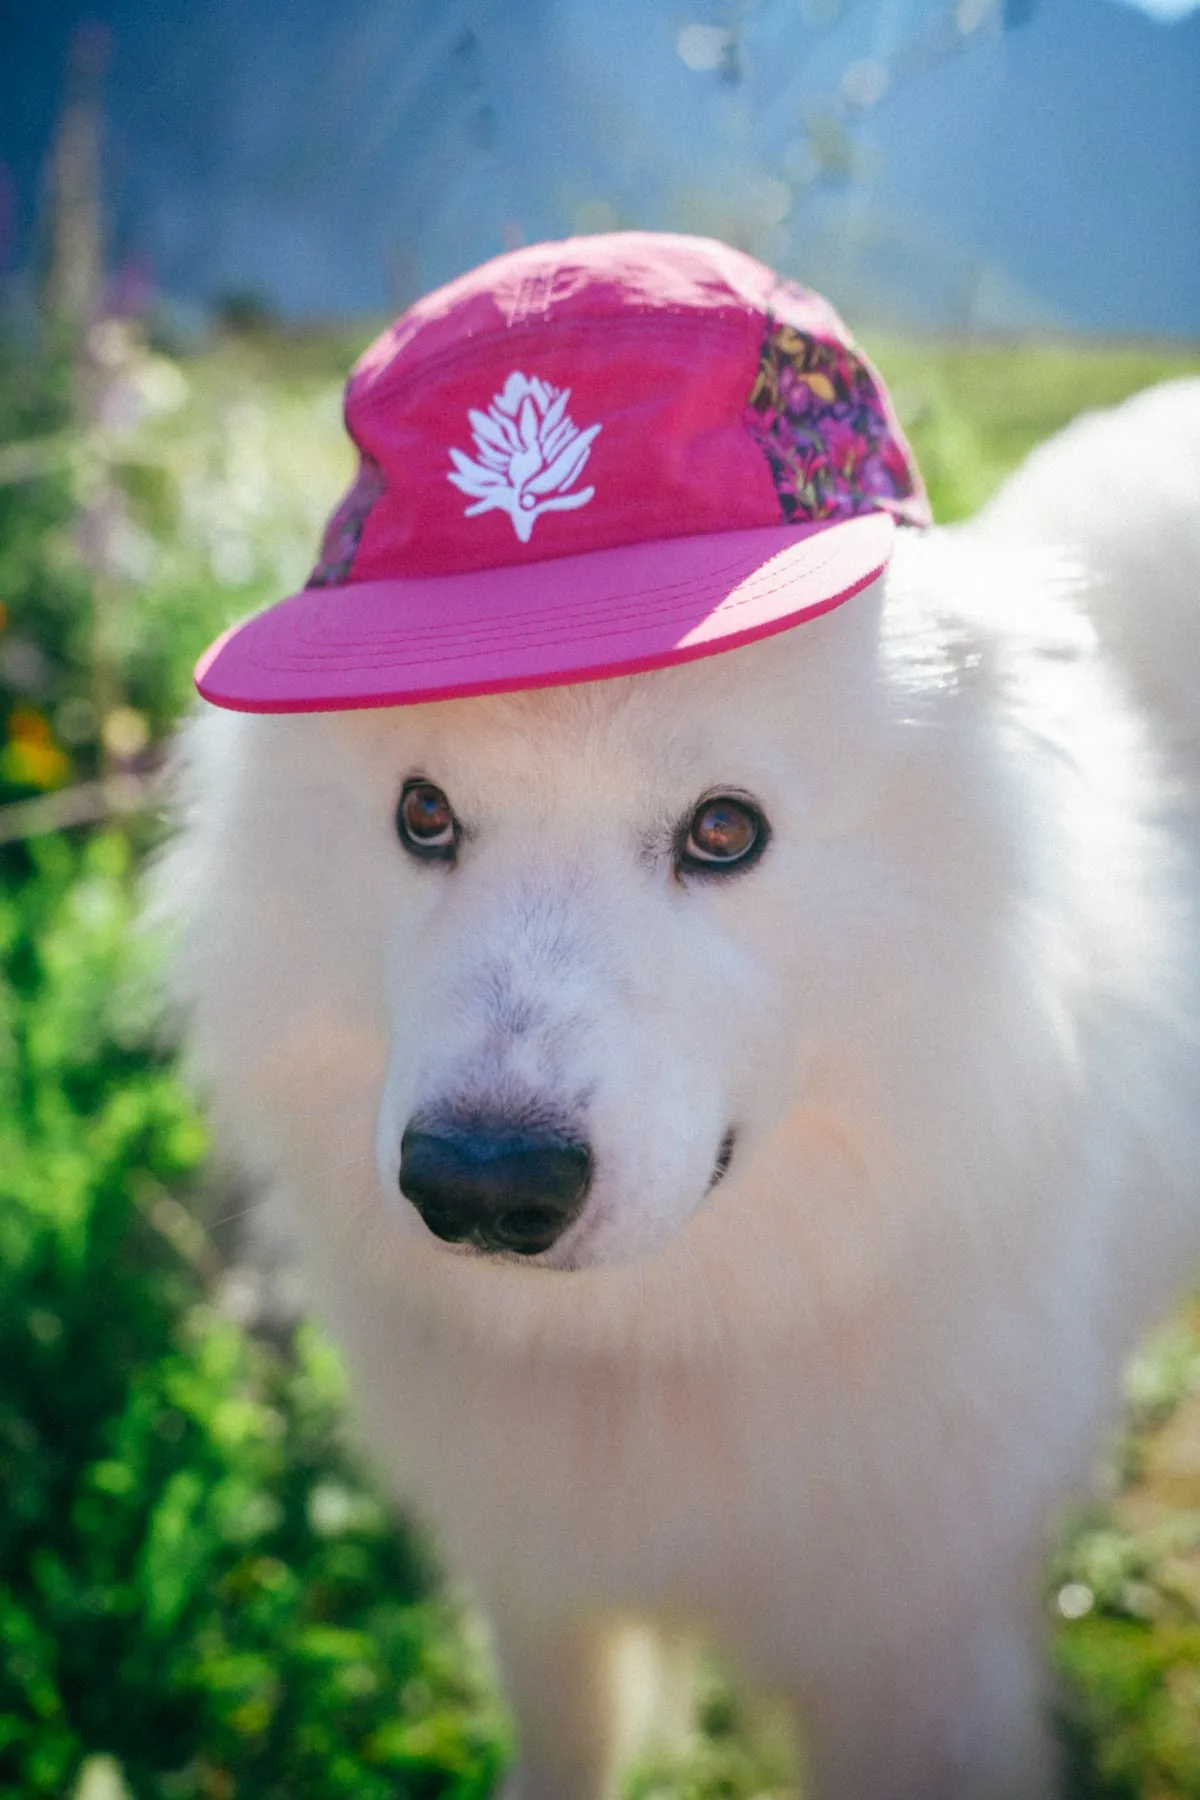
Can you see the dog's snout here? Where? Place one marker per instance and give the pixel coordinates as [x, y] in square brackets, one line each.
[493, 1189]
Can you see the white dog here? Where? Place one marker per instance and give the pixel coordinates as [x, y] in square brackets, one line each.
[877, 1129]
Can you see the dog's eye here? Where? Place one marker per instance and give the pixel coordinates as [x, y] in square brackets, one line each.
[724, 833]
[426, 823]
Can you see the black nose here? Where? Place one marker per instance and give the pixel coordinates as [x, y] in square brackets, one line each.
[493, 1189]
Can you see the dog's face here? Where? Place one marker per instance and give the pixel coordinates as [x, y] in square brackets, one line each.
[586, 1026]
[584, 947]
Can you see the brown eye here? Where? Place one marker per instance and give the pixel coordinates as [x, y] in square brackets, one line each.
[723, 834]
[426, 823]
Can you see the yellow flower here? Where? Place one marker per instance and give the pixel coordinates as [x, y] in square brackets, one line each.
[31, 758]
[821, 385]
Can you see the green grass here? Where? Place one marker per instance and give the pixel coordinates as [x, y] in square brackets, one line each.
[973, 410]
[201, 1597]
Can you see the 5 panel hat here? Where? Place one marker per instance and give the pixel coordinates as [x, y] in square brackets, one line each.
[581, 460]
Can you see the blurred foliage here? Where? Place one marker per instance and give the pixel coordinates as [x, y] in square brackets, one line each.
[200, 1597]
[1126, 1583]
[143, 504]
[738, 1748]
[194, 1581]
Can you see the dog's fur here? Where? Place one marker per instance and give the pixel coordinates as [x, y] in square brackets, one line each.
[826, 1409]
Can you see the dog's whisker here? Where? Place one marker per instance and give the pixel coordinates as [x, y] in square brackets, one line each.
[236, 1213]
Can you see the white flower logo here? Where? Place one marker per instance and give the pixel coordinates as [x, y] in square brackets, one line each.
[529, 454]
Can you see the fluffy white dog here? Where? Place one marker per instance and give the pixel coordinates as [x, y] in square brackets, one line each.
[855, 974]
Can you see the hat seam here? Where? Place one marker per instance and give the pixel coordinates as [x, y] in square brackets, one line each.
[813, 531]
[507, 637]
[675, 320]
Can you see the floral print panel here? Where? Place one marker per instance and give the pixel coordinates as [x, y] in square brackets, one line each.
[818, 411]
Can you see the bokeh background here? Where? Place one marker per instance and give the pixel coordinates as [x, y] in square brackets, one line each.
[205, 211]
[967, 165]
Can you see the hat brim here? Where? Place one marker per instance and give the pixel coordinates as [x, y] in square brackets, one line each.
[568, 619]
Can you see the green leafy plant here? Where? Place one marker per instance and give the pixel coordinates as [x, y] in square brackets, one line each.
[194, 1580]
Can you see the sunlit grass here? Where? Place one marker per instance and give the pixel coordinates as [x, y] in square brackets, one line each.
[973, 410]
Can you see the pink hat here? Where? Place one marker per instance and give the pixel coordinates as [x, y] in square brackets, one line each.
[585, 459]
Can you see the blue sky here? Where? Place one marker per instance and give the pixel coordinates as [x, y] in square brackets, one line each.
[337, 159]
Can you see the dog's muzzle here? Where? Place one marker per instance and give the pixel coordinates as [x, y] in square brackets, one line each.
[495, 1190]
